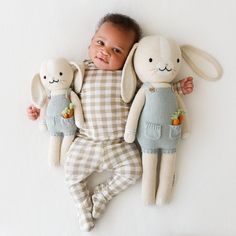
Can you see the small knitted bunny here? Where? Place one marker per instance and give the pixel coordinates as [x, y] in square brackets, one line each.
[61, 111]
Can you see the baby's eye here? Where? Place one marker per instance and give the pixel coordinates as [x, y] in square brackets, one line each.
[60, 73]
[178, 60]
[45, 77]
[100, 42]
[116, 50]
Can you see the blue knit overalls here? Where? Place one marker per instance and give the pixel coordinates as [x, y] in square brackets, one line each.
[155, 130]
[57, 125]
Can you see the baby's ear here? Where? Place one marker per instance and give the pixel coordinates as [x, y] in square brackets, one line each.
[38, 93]
[189, 53]
[129, 79]
[78, 76]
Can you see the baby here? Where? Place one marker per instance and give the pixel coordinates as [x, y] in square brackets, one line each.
[100, 145]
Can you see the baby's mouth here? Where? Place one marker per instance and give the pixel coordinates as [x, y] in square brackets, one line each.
[102, 60]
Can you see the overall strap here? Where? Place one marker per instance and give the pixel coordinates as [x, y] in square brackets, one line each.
[48, 94]
[67, 94]
[146, 85]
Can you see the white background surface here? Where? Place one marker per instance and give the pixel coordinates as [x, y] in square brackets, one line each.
[33, 198]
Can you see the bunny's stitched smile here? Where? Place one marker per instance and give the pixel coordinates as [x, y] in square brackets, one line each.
[165, 69]
[54, 81]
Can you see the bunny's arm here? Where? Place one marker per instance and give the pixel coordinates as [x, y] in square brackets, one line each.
[133, 117]
[185, 128]
[42, 120]
[78, 111]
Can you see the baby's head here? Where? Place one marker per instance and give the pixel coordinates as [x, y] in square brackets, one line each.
[112, 41]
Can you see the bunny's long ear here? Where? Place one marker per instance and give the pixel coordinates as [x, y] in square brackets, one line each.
[186, 49]
[129, 78]
[38, 93]
[78, 76]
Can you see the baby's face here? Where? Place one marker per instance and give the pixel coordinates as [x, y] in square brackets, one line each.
[110, 47]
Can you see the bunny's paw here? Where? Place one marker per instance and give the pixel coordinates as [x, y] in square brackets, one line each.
[129, 136]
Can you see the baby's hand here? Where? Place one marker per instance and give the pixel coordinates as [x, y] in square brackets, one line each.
[33, 112]
[186, 85]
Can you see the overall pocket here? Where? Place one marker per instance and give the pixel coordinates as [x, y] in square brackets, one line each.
[152, 131]
[175, 131]
[67, 121]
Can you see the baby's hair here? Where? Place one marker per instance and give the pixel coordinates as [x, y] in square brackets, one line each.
[123, 21]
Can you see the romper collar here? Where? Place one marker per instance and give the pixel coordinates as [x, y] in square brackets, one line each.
[90, 65]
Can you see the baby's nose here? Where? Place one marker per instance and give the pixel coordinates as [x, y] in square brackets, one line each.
[105, 52]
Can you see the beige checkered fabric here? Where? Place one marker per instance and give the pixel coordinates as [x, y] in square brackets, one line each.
[85, 215]
[87, 156]
[100, 146]
[177, 87]
[105, 113]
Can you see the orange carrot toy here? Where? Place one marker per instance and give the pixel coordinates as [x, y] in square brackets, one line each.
[178, 117]
[68, 112]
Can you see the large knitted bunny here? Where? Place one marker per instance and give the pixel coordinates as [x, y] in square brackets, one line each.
[156, 62]
[61, 113]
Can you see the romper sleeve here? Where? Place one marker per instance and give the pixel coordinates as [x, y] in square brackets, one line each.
[177, 88]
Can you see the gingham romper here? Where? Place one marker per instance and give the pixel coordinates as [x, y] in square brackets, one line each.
[100, 145]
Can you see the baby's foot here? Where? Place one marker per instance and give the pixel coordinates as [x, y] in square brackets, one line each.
[99, 204]
[85, 220]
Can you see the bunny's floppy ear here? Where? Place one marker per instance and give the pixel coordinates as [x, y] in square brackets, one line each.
[38, 93]
[186, 49]
[129, 78]
[78, 76]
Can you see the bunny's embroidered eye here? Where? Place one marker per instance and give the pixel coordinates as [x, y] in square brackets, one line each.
[150, 59]
[60, 73]
[178, 60]
[44, 77]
